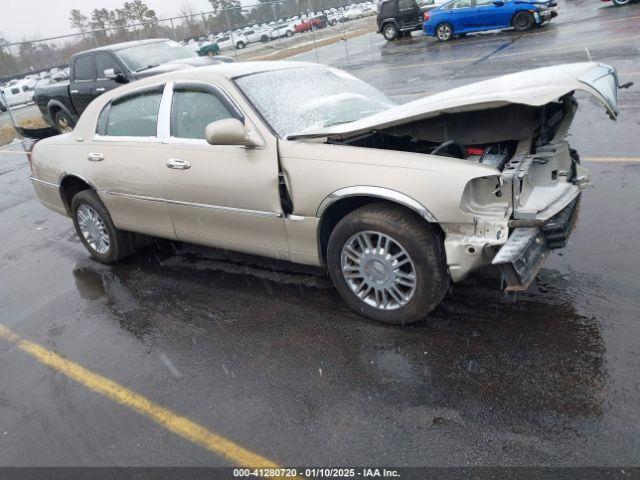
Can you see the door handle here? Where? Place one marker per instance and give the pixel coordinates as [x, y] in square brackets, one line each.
[100, 89]
[95, 157]
[178, 164]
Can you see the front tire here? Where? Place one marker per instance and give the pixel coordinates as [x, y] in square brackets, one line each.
[522, 21]
[621, 3]
[390, 32]
[240, 45]
[444, 32]
[96, 231]
[388, 264]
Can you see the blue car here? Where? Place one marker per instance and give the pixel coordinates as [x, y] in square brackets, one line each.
[458, 17]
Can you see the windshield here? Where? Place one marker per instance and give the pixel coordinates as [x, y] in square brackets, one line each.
[151, 55]
[295, 100]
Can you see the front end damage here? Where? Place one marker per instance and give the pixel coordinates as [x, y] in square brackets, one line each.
[517, 124]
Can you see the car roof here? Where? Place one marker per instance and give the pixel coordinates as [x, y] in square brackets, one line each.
[123, 45]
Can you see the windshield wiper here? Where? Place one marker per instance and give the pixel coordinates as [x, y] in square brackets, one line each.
[147, 68]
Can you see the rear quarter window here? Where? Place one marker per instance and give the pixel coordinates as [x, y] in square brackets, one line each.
[83, 68]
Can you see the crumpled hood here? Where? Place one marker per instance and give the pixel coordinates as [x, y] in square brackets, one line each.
[531, 87]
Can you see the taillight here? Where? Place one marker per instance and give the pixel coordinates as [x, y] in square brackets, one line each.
[426, 16]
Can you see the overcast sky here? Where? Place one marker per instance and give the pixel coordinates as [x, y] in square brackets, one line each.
[46, 18]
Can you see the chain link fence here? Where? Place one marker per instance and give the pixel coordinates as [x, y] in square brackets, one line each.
[27, 57]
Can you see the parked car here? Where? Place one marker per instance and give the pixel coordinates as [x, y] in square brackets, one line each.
[228, 42]
[395, 201]
[460, 17]
[311, 24]
[97, 71]
[208, 49]
[619, 3]
[398, 18]
[352, 13]
[18, 92]
[254, 35]
[282, 30]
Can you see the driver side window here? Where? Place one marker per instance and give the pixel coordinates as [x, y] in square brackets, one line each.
[462, 4]
[193, 109]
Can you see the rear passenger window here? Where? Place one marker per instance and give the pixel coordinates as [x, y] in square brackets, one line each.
[132, 116]
[83, 68]
[192, 110]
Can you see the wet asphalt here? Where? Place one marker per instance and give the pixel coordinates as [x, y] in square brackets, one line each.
[270, 356]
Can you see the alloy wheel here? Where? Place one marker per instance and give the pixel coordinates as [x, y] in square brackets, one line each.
[378, 270]
[93, 229]
[444, 32]
[64, 126]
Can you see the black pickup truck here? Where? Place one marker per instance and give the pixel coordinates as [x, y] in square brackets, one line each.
[93, 72]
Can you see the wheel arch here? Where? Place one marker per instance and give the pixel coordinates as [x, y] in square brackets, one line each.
[344, 201]
[387, 21]
[71, 184]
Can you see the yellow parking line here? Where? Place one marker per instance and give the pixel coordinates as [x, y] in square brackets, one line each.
[172, 421]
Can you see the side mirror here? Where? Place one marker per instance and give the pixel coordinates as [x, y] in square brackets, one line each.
[230, 131]
[116, 76]
[499, 3]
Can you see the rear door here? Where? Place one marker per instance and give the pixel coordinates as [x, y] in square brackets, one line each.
[219, 195]
[83, 77]
[122, 161]
[462, 16]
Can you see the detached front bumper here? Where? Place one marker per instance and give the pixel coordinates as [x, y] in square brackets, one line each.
[521, 257]
[544, 16]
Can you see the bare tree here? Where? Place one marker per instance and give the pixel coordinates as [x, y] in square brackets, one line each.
[78, 21]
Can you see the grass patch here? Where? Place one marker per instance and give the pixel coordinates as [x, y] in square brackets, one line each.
[8, 133]
[307, 47]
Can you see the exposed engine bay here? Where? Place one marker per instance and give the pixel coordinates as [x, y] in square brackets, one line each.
[487, 136]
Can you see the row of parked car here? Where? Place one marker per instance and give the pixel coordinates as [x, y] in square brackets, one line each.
[238, 39]
[20, 91]
[446, 19]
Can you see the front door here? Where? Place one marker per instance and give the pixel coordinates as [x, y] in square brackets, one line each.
[491, 15]
[105, 61]
[219, 195]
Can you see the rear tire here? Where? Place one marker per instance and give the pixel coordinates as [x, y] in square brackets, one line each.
[444, 32]
[621, 3]
[390, 32]
[411, 289]
[96, 230]
[63, 122]
[522, 21]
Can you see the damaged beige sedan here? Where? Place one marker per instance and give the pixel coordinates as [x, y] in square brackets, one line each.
[307, 163]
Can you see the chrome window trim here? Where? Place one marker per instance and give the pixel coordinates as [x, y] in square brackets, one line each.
[48, 184]
[377, 192]
[126, 138]
[164, 131]
[242, 211]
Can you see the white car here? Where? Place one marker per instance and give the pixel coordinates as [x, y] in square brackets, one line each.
[232, 41]
[282, 30]
[255, 35]
[353, 13]
[18, 92]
